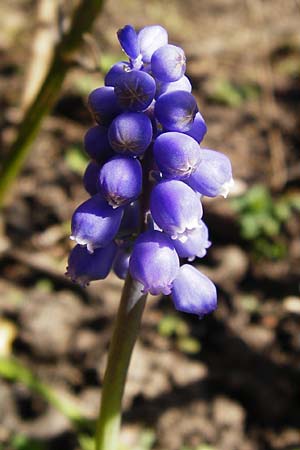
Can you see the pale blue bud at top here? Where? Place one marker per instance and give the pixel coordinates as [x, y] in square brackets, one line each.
[96, 143]
[95, 223]
[213, 176]
[196, 244]
[84, 267]
[154, 262]
[150, 39]
[121, 180]
[176, 110]
[183, 84]
[91, 178]
[104, 105]
[198, 129]
[129, 42]
[175, 209]
[135, 90]
[168, 63]
[115, 72]
[193, 292]
[121, 263]
[176, 154]
[130, 133]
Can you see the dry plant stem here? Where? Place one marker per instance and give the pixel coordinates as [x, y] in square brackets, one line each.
[63, 57]
[125, 332]
[42, 49]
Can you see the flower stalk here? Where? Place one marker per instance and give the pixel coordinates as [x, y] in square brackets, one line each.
[125, 333]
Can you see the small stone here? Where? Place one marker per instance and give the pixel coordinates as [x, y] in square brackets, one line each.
[292, 304]
[228, 413]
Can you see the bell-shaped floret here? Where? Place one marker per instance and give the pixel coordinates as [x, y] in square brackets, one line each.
[196, 244]
[154, 262]
[135, 90]
[91, 178]
[176, 154]
[193, 292]
[121, 180]
[213, 176]
[150, 39]
[84, 267]
[183, 84]
[198, 129]
[121, 263]
[129, 42]
[130, 133]
[175, 209]
[176, 110]
[95, 223]
[96, 143]
[115, 72]
[168, 63]
[104, 105]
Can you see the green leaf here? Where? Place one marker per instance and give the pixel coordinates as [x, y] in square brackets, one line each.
[282, 210]
[270, 226]
[250, 227]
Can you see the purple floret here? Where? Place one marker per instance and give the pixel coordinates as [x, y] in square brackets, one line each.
[130, 133]
[121, 180]
[176, 111]
[95, 223]
[154, 262]
[193, 292]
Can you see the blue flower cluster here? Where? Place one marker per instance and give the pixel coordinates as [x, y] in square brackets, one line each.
[147, 175]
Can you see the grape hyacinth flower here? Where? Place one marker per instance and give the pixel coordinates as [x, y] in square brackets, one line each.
[148, 169]
[121, 263]
[103, 104]
[183, 84]
[196, 244]
[198, 129]
[176, 154]
[115, 72]
[96, 143]
[146, 179]
[168, 63]
[135, 90]
[213, 175]
[130, 133]
[84, 267]
[154, 253]
[193, 292]
[176, 209]
[176, 110]
[95, 223]
[120, 180]
[91, 178]
[150, 39]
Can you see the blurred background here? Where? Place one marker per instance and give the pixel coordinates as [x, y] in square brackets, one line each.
[228, 382]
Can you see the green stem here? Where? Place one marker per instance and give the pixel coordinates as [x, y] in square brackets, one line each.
[124, 336]
[63, 58]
